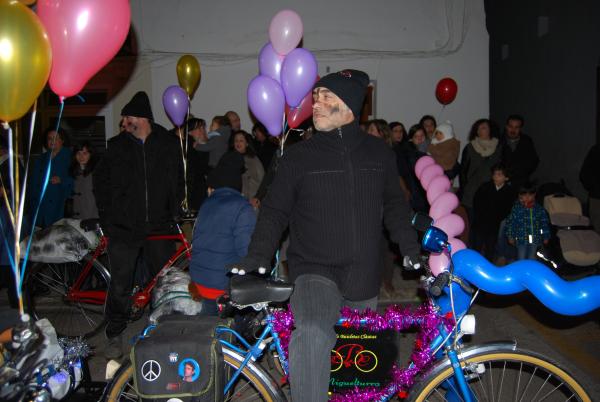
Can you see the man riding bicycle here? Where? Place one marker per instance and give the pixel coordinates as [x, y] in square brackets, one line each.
[333, 191]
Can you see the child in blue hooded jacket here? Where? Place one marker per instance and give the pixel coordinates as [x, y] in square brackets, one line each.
[527, 226]
[222, 231]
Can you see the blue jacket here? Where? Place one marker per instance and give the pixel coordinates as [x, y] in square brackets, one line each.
[523, 222]
[52, 207]
[222, 233]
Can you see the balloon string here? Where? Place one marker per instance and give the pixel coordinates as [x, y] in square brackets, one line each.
[10, 208]
[44, 187]
[26, 170]
[184, 203]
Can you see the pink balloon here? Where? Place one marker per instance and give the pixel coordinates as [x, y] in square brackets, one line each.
[443, 205]
[438, 186]
[453, 225]
[422, 163]
[456, 244]
[285, 31]
[430, 173]
[85, 35]
[438, 263]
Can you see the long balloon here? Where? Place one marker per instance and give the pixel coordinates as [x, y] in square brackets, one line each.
[567, 298]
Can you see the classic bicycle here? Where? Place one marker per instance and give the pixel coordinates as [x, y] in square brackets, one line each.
[444, 369]
[72, 295]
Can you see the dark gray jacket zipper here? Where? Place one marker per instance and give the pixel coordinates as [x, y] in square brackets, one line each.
[352, 197]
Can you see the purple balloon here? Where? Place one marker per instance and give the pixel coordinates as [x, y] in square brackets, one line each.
[269, 62]
[176, 104]
[298, 75]
[267, 102]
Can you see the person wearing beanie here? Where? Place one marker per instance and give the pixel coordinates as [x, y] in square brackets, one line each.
[139, 188]
[444, 149]
[332, 191]
[222, 231]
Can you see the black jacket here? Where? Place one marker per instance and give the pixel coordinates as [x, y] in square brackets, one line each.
[334, 190]
[139, 185]
[590, 172]
[522, 162]
[491, 206]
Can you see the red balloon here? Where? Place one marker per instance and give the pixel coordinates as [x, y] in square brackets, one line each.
[446, 90]
[297, 115]
[84, 35]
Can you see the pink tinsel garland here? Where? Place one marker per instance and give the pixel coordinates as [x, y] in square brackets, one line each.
[395, 317]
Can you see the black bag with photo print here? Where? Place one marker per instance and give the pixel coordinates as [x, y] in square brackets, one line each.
[181, 358]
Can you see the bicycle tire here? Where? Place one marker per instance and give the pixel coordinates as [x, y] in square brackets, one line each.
[44, 288]
[252, 380]
[544, 379]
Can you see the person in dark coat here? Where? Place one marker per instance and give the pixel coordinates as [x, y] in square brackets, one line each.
[518, 151]
[139, 190]
[222, 231]
[332, 191]
[197, 165]
[590, 178]
[492, 203]
[264, 147]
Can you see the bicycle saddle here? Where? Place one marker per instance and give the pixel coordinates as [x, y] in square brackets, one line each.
[248, 289]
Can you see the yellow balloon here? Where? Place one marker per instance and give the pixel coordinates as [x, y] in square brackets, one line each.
[27, 2]
[25, 59]
[188, 74]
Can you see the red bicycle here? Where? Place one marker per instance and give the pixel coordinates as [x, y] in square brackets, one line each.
[72, 295]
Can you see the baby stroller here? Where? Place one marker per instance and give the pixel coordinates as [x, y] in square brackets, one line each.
[574, 241]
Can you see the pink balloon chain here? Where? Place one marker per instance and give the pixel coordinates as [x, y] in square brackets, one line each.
[443, 202]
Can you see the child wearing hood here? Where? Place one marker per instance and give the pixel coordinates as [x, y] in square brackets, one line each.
[527, 226]
[444, 149]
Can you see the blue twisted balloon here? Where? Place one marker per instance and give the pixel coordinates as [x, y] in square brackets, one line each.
[567, 298]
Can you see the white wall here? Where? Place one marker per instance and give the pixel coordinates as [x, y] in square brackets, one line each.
[407, 46]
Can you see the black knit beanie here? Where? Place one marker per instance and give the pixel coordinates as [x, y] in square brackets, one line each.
[228, 172]
[349, 85]
[138, 106]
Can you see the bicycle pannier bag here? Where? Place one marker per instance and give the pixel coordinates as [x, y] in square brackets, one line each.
[180, 359]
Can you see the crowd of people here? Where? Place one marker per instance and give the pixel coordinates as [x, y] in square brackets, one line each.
[342, 197]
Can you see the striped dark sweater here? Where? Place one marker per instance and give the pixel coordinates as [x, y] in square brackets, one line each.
[334, 191]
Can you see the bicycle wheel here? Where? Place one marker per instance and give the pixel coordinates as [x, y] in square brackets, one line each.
[501, 375]
[253, 384]
[46, 287]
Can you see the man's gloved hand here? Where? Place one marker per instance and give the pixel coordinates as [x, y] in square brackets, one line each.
[245, 266]
[413, 262]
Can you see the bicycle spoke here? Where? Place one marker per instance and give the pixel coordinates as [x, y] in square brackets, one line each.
[552, 391]
[541, 387]
[528, 384]
[501, 382]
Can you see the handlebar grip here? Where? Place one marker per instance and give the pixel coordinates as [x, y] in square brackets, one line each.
[438, 285]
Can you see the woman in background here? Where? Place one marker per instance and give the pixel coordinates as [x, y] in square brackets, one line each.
[82, 166]
[251, 178]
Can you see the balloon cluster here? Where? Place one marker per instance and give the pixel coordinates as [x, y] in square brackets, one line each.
[65, 44]
[176, 98]
[443, 203]
[286, 76]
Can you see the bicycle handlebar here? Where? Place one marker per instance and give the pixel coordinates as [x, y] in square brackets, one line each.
[568, 298]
